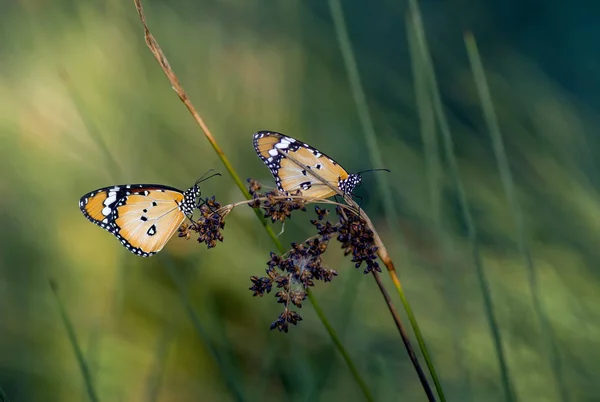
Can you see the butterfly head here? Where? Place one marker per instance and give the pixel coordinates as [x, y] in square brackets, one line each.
[191, 196]
[348, 184]
[190, 200]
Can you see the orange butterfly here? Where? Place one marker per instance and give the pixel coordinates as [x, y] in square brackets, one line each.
[142, 216]
[277, 150]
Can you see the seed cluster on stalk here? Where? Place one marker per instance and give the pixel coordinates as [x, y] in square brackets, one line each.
[299, 268]
[275, 204]
[209, 225]
[295, 271]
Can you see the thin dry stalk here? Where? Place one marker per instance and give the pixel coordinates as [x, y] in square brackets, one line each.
[389, 263]
[164, 64]
[174, 81]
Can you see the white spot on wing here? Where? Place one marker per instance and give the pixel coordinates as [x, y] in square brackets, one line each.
[273, 152]
[106, 211]
[112, 197]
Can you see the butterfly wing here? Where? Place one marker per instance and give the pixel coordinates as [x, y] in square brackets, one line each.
[277, 150]
[142, 216]
[97, 206]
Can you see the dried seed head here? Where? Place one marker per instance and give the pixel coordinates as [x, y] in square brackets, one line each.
[254, 204]
[279, 207]
[253, 186]
[184, 231]
[357, 239]
[302, 266]
[321, 212]
[285, 318]
[293, 273]
[260, 286]
[210, 223]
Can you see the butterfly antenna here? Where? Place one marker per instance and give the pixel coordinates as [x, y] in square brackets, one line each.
[372, 170]
[204, 176]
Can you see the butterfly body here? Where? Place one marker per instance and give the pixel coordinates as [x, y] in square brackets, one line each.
[143, 217]
[299, 166]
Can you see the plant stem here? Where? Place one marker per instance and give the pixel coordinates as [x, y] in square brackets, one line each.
[83, 367]
[375, 155]
[338, 343]
[385, 258]
[174, 81]
[405, 338]
[228, 371]
[431, 151]
[415, 15]
[389, 264]
[546, 332]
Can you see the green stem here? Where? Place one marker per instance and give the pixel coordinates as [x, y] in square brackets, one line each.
[375, 156]
[484, 285]
[434, 178]
[405, 339]
[227, 369]
[338, 343]
[83, 367]
[546, 332]
[174, 81]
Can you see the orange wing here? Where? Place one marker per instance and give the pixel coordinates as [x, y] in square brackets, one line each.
[295, 173]
[291, 163]
[142, 216]
[145, 222]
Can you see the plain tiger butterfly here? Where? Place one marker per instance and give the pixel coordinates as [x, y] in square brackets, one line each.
[143, 217]
[291, 162]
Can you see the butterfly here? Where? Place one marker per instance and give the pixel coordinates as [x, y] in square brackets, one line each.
[291, 162]
[143, 217]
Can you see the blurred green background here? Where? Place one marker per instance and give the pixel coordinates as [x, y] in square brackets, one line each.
[85, 105]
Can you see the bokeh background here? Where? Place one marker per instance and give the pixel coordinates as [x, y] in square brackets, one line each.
[83, 104]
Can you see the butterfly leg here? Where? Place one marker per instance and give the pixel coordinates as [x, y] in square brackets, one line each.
[200, 202]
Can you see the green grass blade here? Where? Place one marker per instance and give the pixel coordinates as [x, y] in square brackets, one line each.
[546, 332]
[464, 204]
[434, 174]
[362, 107]
[227, 370]
[83, 367]
[338, 343]
[115, 173]
[375, 156]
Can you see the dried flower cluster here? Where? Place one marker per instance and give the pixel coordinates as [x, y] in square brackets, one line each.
[299, 268]
[357, 239]
[295, 271]
[209, 224]
[277, 205]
